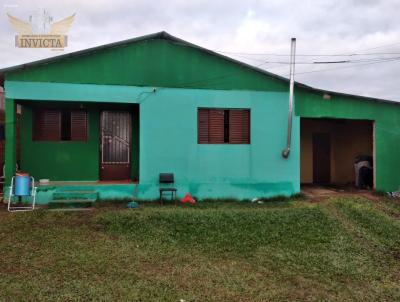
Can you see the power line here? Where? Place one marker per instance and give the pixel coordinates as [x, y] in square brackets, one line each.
[354, 53]
[357, 63]
[352, 66]
[216, 79]
[309, 55]
[331, 62]
[382, 46]
[264, 61]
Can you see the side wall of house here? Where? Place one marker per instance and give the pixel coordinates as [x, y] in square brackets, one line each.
[168, 140]
[387, 127]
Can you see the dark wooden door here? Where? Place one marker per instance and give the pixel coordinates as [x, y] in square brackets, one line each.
[115, 157]
[321, 158]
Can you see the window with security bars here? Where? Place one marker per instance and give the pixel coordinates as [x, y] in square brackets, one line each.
[59, 125]
[223, 126]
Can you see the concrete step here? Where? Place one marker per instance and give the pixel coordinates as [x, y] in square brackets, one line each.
[72, 203]
[77, 194]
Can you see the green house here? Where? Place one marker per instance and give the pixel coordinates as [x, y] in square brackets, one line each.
[110, 119]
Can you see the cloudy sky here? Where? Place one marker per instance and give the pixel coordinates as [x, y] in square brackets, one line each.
[366, 33]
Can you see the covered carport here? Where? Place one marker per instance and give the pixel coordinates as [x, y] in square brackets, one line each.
[329, 149]
[337, 127]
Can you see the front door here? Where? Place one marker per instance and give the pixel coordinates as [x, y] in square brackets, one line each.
[115, 157]
[321, 158]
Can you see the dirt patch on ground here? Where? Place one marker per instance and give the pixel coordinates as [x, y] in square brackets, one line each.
[321, 193]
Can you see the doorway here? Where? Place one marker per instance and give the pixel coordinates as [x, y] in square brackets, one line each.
[330, 148]
[321, 158]
[115, 150]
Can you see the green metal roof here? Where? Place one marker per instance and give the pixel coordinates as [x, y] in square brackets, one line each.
[166, 36]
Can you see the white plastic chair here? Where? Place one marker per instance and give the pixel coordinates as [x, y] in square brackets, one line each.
[32, 194]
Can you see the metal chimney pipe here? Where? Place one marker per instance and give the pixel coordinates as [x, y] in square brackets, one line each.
[286, 151]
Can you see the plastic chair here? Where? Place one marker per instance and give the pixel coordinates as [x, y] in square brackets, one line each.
[31, 194]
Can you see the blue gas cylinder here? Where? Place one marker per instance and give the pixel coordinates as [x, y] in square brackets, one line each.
[22, 185]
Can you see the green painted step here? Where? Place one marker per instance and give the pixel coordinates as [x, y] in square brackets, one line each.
[70, 199]
[67, 195]
[72, 203]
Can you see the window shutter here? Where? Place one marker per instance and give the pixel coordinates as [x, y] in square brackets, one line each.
[78, 125]
[202, 126]
[216, 126]
[239, 126]
[47, 125]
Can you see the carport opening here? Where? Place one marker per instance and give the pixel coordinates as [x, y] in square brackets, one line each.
[331, 150]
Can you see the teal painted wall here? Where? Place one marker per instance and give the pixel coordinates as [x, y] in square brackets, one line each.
[34, 91]
[168, 140]
[387, 128]
[168, 143]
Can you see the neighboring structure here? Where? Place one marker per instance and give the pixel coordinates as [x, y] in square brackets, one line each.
[111, 118]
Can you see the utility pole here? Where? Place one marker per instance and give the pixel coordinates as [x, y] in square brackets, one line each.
[286, 151]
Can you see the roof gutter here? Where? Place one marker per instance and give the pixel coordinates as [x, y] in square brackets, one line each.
[286, 151]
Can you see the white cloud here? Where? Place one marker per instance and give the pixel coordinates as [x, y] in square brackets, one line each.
[252, 26]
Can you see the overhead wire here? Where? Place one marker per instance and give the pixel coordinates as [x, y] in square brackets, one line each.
[216, 79]
[351, 66]
[264, 61]
[358, 52]
[356, 63]
[309, 55]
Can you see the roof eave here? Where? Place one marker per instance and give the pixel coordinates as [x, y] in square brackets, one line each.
[158, 35]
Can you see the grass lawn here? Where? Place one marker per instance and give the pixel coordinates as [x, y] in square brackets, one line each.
[338, 250]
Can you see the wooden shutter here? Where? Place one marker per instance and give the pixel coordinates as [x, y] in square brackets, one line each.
[78, 125]
[239, 126]
[202, 126]
[47, 125]
[216, 126]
